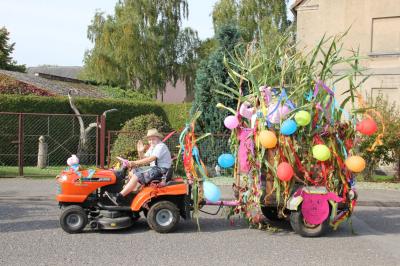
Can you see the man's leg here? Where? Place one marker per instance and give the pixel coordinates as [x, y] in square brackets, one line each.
[131, 186]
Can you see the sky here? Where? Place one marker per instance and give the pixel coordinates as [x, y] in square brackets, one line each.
[53, 32]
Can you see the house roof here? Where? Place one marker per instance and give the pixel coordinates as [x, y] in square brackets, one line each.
[62, 71]
[296, 4]
[55, 86]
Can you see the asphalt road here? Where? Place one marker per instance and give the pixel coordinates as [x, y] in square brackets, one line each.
[30, 235]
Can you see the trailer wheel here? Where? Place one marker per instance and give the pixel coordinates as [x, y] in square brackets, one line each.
[307, 230]
[271, 213]
[73, 219]
[163, 217]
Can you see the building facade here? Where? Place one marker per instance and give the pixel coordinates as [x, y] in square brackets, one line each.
[374, 29]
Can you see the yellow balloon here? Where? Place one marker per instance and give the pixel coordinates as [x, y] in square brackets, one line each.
[355, 164]
[267, 139]
[321, 152]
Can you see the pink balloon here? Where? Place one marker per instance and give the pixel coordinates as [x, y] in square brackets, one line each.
[231, 122]
[246, 110]
[283, 111]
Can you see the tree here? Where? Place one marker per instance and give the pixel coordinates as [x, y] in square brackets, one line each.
[83, 146]
[389, 151]
[209, 77]
[256, 19]
[6, 49]
[142, 46]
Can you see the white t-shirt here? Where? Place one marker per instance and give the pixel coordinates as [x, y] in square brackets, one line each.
[162, 153]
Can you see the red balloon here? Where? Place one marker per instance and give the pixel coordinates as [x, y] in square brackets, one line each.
[367, 127]
[285, 171]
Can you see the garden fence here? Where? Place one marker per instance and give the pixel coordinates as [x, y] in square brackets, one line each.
[20, 134]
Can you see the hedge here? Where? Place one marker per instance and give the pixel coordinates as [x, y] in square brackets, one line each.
[175, 114]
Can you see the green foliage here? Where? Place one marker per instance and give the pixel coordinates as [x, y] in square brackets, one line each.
[174, 114]
[206, 48]
[125, 145]
[142, 46]
[389, 151]
[6, 49]
[256, 19]
[209, 77]
[126, 94]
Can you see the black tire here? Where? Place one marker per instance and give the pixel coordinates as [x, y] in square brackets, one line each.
[73, 219]
[135, 216]
[300, 227]
[163, 217]
[271, 213]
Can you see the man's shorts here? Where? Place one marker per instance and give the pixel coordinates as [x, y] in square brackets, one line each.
[147, 174]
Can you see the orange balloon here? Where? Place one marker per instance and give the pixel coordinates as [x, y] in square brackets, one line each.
[267, 139]
[355, 164]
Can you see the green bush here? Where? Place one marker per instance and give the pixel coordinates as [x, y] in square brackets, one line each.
[175, 115]
[389, 151]
[127, 94]
[125, 145]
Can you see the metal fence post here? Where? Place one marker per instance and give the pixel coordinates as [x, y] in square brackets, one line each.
[21, 145]
[102, 139]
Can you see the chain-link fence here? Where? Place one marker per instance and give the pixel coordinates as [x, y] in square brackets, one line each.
[123, 143]
[39, 144]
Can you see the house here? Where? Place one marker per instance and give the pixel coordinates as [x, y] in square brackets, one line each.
[374, 29]
[175, 94]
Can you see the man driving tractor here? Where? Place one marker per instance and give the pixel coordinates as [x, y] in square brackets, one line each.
[159, 158]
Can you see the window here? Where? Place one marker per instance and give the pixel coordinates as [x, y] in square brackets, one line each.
[385, 35]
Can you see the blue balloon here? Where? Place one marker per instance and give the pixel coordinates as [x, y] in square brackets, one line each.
[226, 160]
[211, 191]
[288, 127]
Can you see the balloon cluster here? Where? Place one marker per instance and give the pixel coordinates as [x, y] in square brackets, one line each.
[276, 117]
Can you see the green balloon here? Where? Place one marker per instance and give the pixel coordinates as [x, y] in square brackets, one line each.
[303, 118]
[321, 152]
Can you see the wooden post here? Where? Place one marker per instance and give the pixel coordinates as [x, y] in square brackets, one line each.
[42, 153]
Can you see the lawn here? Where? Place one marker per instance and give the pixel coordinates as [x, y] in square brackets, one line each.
[31, 171]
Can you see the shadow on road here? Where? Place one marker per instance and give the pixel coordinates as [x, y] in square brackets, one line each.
[23, 226]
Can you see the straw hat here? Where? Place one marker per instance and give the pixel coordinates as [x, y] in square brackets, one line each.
[154, 133]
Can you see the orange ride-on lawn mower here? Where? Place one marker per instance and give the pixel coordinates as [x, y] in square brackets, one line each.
[81, 196]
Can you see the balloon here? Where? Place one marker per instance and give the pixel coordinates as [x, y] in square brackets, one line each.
[367, 126]
[288, 127]
[267, 139]
[284, 171]
[211, 191]
[226, 160]
[303, 118]
[321, 152]
[278, 114]
[355, 164]
[231, 122]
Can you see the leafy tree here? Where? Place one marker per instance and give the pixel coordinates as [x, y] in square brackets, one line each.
[142, 46]
[209, 77]
[257, 19]
[6, 49]
[389, 151]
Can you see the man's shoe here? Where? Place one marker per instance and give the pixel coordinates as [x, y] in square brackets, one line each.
[117, 198]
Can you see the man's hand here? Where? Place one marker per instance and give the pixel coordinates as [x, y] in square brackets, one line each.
[133, 164]
[140, 146]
